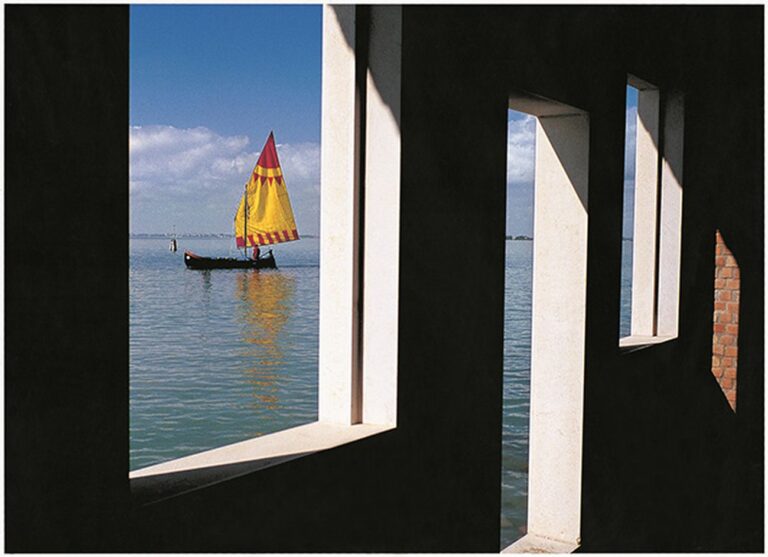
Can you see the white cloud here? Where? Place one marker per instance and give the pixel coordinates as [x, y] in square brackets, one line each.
[521, 138]
[521, 134]
[167, 161]
[198, 175]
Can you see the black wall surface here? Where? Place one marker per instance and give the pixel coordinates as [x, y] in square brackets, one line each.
[66, 277]
[667, 465]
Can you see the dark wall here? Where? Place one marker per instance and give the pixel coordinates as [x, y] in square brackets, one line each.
[66, 277]
[667, 466]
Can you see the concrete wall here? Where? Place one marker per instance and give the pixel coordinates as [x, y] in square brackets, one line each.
[667, 465]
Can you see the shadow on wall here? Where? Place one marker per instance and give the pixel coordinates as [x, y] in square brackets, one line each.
[365, 28]
[569, 153]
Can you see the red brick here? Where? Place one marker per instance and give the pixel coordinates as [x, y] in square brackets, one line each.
[726, 361]
[731, 351]
[736, 272]
[719, 283]
[732, 328]
[718, 327]
[715, 361]
[732, 284]
[718, 349]
[735, 295]
[726, 383]
[733, 307]
[720, 260]
[724, 317]
[719, 305]
[725, 272]
[723, 295]
[726, 340]
[730, 372]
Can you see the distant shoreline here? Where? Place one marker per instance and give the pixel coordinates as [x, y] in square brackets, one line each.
[168, 236]
[528, 238]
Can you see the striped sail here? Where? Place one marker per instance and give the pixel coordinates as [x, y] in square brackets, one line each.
[264, 215]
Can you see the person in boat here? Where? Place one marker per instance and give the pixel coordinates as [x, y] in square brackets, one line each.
[256, 253]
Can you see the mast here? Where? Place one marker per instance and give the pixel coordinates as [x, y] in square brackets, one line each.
[245, 219]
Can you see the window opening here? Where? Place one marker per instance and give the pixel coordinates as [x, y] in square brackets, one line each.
[650, 276]
[628, 213]
[351, 317]
[223, 355]
[557, 326]
[518, 271]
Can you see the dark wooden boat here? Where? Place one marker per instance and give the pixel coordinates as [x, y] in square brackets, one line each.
[197, 262]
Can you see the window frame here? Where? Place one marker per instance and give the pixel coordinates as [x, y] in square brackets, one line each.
[657, 236]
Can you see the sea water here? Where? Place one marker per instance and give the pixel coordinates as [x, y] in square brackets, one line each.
[516, 404]
[221, 356]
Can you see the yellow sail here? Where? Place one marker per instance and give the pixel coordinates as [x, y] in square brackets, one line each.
[264, 215]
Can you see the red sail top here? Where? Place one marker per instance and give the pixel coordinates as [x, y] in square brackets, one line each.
[268, 157]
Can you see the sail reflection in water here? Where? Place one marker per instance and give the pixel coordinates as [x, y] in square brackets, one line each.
[219, 356]
[267, 299]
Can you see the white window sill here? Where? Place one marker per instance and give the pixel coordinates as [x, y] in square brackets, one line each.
[531, 543]
[167, 479]
[635, 342]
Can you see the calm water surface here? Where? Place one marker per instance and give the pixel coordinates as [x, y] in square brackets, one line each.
[626, 288]
[219, 356]
[517, 365]
[222, 356]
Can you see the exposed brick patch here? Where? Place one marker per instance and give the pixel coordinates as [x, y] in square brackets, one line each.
[725, 328]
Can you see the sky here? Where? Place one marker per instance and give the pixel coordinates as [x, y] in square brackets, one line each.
[209, 82]
[629, 162]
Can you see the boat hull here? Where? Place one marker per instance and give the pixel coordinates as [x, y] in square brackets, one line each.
[193, 261]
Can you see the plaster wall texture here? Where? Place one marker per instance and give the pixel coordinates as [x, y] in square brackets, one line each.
[338, 356]
[382, 218]
[646, 219]
[670, 216]
[557, 330]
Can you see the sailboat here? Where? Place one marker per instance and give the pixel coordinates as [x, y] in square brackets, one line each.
[264, 217]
